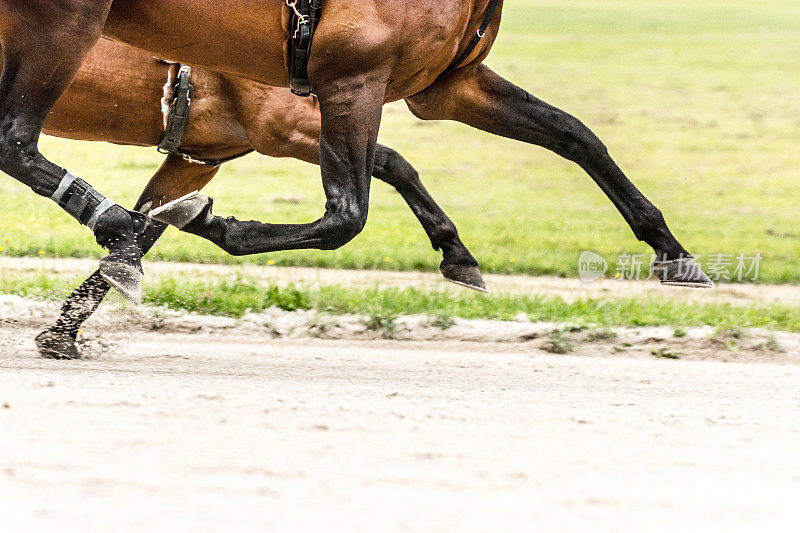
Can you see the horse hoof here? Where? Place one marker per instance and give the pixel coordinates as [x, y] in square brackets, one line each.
[54, 345]
[125, 278]
[683, 272]
[182, 211]
[140, 221]
[464, 275]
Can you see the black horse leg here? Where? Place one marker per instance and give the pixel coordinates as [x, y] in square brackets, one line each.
[175, 178]
[458, 265]
[40, 58]
[351, 114]
[480, 98]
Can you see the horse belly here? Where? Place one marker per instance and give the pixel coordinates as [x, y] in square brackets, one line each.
[114, 97]
[242, 37]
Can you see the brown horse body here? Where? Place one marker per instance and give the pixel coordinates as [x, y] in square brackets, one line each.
[403, 45]
[365, 53]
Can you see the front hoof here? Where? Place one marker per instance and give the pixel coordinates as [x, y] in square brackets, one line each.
[683, 272]
[465, 275]
[140, 222]
[182, 211]
[54, 345]
[124, 277]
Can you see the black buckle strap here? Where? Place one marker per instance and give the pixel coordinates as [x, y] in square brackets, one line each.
[475, 40]
[178, 120]
[302, 25]
[179, 110]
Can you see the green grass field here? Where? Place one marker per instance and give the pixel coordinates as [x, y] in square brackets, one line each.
[240, 295]
[696, 100]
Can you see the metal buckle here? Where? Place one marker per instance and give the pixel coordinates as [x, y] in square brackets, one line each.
[302, 20]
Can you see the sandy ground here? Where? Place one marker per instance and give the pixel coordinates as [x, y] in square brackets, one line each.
[191, 432]
[210, 424]
[283, 422]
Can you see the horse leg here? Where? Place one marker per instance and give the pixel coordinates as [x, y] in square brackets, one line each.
[175, 178]
[351, 115]
[458, 265]
[300, 140]
[40, 58]
[480, 98]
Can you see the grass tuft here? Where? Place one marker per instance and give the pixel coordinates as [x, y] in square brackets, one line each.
[382, 321]
[560, 342]
[666, 353]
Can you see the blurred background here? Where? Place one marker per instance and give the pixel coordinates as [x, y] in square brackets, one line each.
[696, 100]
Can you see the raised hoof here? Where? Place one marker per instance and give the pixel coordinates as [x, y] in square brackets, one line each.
[124, 278]
[180, 212]
[683, 272]
[464, 275]
[56, 346]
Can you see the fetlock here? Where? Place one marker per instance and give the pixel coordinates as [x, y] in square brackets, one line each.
[202, 220]
[114, 226]
[457, 255]
[122, 267]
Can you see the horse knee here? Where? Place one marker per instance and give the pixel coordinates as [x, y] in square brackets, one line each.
[571, 138]
[444, 234]
[648, 223]
[343, 229]
[20, 159]
[393, 169]
[17, 152]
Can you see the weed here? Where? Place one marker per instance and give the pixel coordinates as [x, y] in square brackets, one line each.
[442, 321]
[601, 334]
[272, 329]
[771, 344]
[730, 337]
[158, 320]
[559, 342]
[319, 326]
[666, 353]
[382, 322]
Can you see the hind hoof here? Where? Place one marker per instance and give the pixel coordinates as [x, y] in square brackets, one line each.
[57, 346]
[182, 211]
[464, 275]
[683, 272]
[124, 278]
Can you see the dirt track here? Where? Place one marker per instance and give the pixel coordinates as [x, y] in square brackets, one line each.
[210, 424]
[202, 432]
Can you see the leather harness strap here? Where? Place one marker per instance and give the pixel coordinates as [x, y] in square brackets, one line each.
[178, 113]
[302, 25]
[179, 110]
[487, 20]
